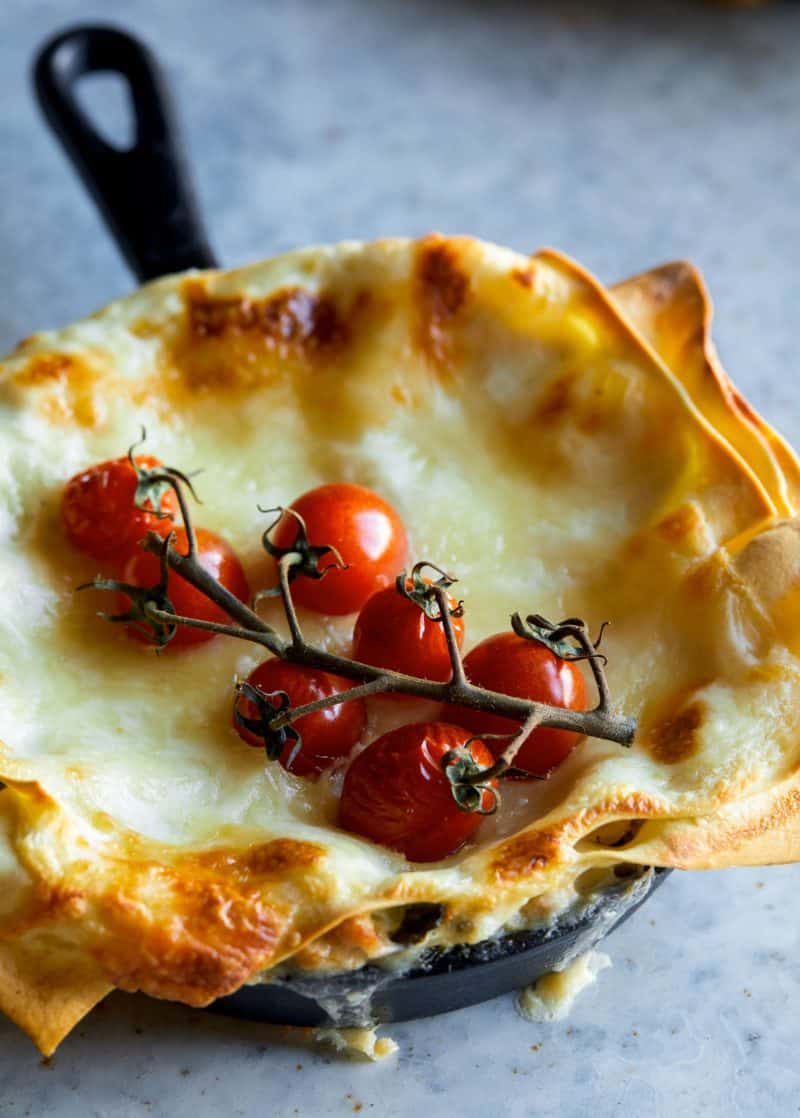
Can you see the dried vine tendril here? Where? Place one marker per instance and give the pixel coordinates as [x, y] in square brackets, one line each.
[422, 591]
[306, 557]
[154, 482]
[564, 638]
[471, 790]
[268, 704]
[152, 612]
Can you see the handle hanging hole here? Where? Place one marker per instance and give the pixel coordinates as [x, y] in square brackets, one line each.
[105, 97]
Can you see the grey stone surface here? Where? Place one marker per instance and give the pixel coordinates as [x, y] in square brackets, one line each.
[623, 133]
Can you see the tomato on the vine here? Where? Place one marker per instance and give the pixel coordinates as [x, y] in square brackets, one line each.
[397, 794]
[525, 669]
[392, 631]
[98, 510]
[326, 735]
[367, 533]
[216, 555]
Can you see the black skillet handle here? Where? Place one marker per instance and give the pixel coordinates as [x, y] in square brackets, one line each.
[145, 192]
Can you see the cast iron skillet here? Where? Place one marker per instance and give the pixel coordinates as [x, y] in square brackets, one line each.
[145, 196]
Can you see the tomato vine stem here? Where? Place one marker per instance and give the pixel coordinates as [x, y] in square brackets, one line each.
[458, 680]
[569, 639]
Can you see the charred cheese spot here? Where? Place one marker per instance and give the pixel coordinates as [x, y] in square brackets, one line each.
[47, 904]
[685, 530]
[215, 938]
[46, 368]
[557, 399]
[581, 398]
[277, 858]
[678, 525]
[441, 288]
[291, 318]
[523, 855]
[636, 804]
[676, 739]
[67, 388]
[524, 277]
[401, 395]
[680, 534]
[230, 342]
[63, 901]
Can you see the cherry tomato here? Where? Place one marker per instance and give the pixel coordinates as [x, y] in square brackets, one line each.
[527, 670]
[396, 793]
[99, 514]
[393, 632]
[220, 560]
[366, 531]
[327, 734]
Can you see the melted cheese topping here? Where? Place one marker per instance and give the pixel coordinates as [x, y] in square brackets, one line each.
[529, 441]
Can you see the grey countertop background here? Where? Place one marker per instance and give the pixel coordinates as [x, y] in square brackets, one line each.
[625, 134]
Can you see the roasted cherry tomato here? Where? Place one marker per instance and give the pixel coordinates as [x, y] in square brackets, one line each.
[528, 670]
[327, 734]
[397, 794]
[392, 631]
[368, 535]
[219, 559]
[98, 510]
